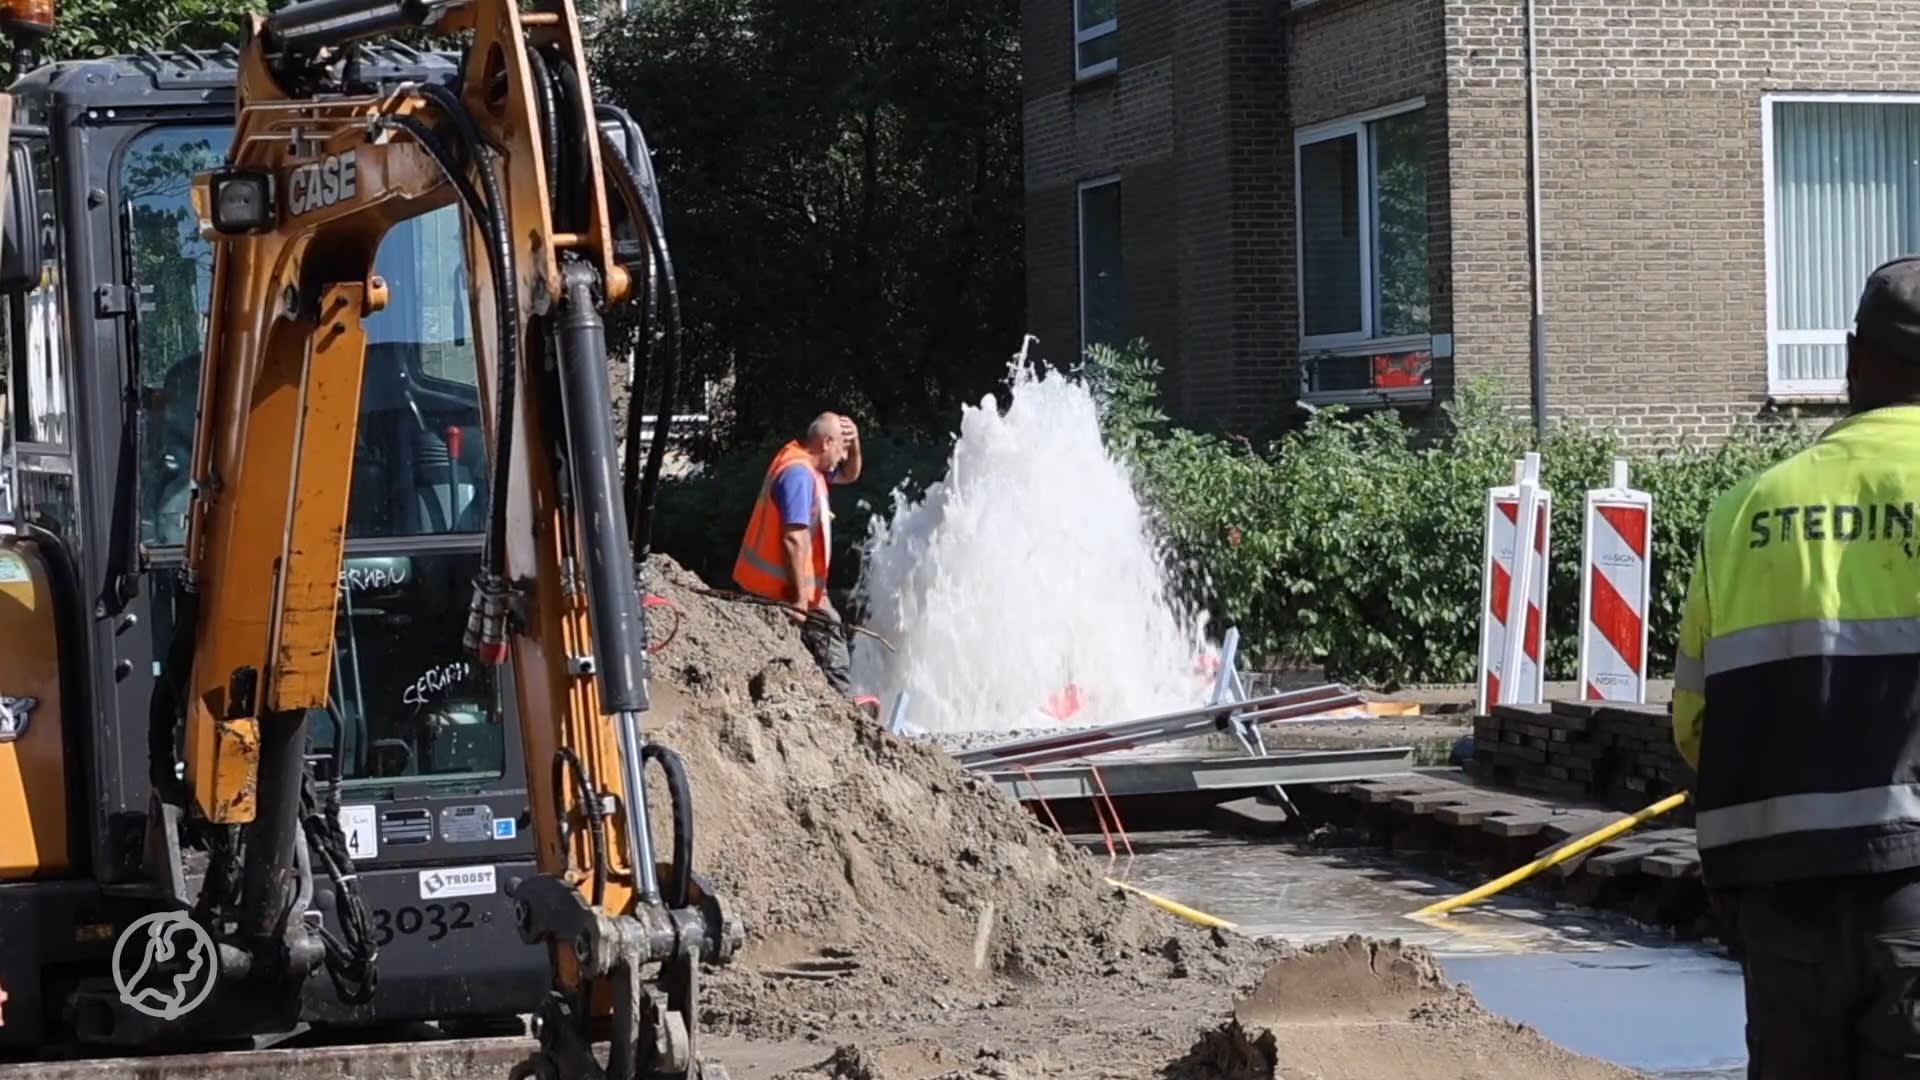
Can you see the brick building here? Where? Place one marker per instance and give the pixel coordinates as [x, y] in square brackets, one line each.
[1280, 194]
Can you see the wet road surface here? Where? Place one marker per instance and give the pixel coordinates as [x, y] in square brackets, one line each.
[1672, 1010]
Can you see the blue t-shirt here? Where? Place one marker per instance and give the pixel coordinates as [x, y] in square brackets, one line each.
[793, 493]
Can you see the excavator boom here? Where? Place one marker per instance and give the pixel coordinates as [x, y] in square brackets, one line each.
[322, 165]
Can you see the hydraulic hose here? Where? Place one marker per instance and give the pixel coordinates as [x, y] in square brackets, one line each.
[648, 211]
[669, 388]
[646, 194]
[640, 369]
[486, 619]
[569, 93]
[545, 110]
[506, 298]
[595, 814]
[681, 794]
[349, 956]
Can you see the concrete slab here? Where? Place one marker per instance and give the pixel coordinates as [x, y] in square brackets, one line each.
[1250, 814]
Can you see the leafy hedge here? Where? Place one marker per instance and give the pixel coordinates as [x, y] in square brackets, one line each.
[1352, 541]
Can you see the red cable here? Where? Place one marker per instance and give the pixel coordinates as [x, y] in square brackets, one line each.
[1111, 808]
[653, 601]
[1107, 837]
[1042, 799]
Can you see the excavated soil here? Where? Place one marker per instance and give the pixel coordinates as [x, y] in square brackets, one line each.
[912, 921]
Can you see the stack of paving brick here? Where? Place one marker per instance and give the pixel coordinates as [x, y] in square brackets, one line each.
[1620, 756]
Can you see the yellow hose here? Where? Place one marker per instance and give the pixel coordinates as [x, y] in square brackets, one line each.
[1182, 910]
[1558, 855]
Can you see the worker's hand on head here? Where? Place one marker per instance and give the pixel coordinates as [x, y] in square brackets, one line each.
[849, 432]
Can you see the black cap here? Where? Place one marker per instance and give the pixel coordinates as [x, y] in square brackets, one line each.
[1889, 314]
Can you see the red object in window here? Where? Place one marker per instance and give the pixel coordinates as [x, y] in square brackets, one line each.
[454, 437]
[1401, 371]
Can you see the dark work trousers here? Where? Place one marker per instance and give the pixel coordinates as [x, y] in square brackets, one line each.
[826, 639]
[1832, 977]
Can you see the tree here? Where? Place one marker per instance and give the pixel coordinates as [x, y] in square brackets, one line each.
[91, 28]
[842, 190]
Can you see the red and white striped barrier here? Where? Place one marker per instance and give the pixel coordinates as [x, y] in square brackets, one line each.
[1616, 585]
[1518, 520]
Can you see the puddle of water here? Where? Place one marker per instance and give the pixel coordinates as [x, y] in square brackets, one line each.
[1314, 896]
[1674, 1011]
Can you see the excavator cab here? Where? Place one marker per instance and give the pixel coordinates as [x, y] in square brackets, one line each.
[295, 771]
[105, 293]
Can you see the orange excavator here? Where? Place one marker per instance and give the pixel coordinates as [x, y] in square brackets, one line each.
[559, 218]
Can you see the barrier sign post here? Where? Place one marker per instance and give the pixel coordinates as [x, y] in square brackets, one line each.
[1513, 589]
[1616, 585]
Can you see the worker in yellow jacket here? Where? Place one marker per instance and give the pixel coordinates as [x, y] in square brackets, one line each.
[1797, 701]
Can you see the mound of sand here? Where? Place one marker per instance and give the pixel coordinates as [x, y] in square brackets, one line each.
[1357, 1009]
[864, 865]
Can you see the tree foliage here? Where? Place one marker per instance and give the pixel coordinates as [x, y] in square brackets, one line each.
[843, 198]
[1354, 543]
[93, 28]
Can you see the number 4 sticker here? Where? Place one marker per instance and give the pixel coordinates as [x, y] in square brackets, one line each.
[363, 836]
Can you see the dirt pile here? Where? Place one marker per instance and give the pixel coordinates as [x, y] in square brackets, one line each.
[1357, 1009]
[865, 866]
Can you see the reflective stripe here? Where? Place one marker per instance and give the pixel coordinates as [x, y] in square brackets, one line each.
[1811, 637]
[753, 558]
[1807, 812]
[1689, 674]
[761, 566]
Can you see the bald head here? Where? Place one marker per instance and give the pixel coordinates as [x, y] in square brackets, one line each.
[824, 430]
[826, 440]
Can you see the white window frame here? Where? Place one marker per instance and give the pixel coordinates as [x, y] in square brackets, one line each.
[1798, 389]
[1084, 34]
[1080, 242]
[1363, 340]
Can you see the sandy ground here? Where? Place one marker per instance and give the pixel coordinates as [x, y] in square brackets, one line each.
[1350, 1010]
[906, 920]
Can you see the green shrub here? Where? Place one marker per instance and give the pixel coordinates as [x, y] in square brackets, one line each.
[1353, 542]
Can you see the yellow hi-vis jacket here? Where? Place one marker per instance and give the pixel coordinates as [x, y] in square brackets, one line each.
[1797, 685]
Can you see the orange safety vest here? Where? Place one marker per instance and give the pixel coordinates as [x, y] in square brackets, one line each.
[762, 568]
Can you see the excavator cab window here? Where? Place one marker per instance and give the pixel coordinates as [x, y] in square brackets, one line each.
[19, 255]
[39, 393]
[406, 701]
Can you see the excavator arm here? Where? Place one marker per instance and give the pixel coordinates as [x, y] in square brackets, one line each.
[324, 161]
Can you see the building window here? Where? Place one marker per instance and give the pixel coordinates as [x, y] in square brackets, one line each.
[1096, 43]
[1103, 298]
[1362, 205]
[1842, 197]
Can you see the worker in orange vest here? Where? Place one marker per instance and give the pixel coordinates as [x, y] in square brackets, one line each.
[785, 552]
